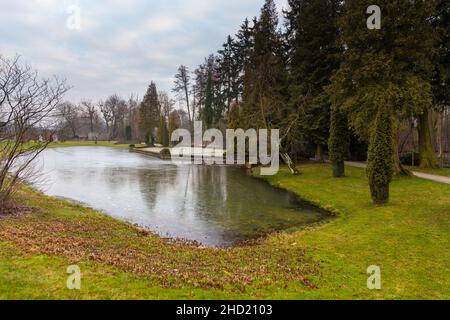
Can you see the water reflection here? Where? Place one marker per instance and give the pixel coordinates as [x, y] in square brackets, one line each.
[217, 206]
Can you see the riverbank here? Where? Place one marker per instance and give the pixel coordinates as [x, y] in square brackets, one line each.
[409, 239]
[81, 143]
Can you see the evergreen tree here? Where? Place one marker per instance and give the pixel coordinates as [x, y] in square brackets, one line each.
[264, 74]
[128, 133]
[380, 167]
[228, 71]
[163, 133]
[311, 33]
[242, 50]
[201, 79]
[149, 113]
[339, 142]
[208, 111]
[392, 64]
[441, 72]
[219, 92]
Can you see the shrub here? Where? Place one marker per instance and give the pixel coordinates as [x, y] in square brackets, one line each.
[380, 167]
[339, 141]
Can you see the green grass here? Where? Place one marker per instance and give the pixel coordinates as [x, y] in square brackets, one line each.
[439, 172]
[67, 144]
[44, 277]
[409, 239]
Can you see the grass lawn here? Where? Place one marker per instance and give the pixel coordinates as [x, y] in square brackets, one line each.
[66, 144]
[409, 239]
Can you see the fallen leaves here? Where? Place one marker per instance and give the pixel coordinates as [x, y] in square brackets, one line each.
[171, 265]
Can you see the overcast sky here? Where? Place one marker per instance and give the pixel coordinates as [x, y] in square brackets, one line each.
[120, 46]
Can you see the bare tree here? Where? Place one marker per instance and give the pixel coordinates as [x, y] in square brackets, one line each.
[107, 116]
[132, 117]
[114, 110]
[166, 104]
[90, 112]
[28, 106]
[71, 116]
[182, 85]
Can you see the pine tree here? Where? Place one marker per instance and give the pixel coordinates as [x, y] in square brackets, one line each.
[264, 74]
[201, 79]
[339, 142]
[380, 167]
[228, 71]
[219, 92]
[312, 48]
[242, 51]
[208, 111]
[149, 113]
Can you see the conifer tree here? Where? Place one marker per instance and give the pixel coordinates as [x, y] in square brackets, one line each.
[339, 142]
[312, 43]
[441, 72]
[392, 64]
[163, 133]
[149, 113]
[228, 70]
[264, 74]
[208, 111]
[242, 50]
[380, 168]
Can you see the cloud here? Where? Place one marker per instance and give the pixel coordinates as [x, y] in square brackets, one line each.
[121, 45]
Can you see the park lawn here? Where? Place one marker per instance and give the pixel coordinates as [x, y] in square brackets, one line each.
[439, 172]
[65, 144]
[409, 239]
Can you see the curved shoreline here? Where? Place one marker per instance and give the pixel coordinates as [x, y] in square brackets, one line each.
[324, 262]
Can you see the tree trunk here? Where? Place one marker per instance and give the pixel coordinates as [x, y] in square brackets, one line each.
[440, 140]
[319, 153]
[380, 193]
[291, 165]
[398, 167]
[92, 126]
[338, 169]
[191, 124]
[427, 156]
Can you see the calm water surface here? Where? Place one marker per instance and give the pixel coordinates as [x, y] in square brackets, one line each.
[216, 206]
